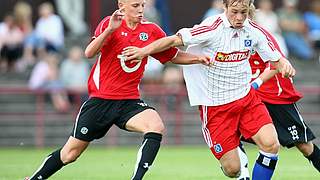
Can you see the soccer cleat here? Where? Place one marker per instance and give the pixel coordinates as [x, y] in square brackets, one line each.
[26, 178]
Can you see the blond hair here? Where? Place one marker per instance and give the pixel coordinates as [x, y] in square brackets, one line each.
[230, 2]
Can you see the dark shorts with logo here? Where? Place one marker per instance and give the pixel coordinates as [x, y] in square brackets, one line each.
[96, 116]
[290, 125]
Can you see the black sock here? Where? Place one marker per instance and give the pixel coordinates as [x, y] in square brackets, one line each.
[50, 165]
[147, 153]
[314, 157]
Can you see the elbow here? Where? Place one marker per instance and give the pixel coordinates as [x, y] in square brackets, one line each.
[89, 54]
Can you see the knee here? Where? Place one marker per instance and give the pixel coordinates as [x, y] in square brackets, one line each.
[69, 156]
[271, 145]
[305, 148]
[156, 126]
[231, 170]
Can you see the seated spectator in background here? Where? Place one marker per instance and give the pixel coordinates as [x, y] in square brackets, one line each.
[22, 11]
[293, 30]
[312, 19]
[49, 33]
[153, 72]
[74, 71]
[268, 19]
[44, 76]
[216, 8]
[11, 43]
[172, 78]
[23, 15]
[72, 12]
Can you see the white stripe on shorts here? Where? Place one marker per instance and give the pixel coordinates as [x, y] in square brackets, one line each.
[76, 123]
[302, 121]
[205, 130]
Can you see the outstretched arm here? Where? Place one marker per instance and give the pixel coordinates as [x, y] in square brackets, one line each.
[95, 45]
[134, 53]
[187, 58]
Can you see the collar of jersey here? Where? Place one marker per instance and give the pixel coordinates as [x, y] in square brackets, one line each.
[124, 25]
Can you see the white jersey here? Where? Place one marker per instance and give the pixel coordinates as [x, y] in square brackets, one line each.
[228, 79]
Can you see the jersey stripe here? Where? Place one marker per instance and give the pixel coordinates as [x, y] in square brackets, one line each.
[270, 43]
[205, 130]
[204, 29]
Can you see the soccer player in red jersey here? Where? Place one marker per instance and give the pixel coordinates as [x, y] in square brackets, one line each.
[280, 97]
[114, 90]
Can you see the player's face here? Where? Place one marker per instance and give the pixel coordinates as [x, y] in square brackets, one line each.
[237, 13]
[133, 9]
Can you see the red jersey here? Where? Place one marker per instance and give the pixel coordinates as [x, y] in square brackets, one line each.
[277, 90]
[113, 78]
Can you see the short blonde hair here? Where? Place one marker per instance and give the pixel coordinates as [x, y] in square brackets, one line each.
[252, 12]
[230, 2]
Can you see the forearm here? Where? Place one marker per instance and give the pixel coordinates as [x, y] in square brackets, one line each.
[185, 58]
[267, 74]
[162, 45]
[94, 47]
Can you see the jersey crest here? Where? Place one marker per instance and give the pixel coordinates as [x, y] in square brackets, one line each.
[143, 36]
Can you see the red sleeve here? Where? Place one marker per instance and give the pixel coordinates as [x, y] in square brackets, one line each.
[166, 55]
[101, 27]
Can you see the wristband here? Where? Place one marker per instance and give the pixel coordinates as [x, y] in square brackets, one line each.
[256, 83]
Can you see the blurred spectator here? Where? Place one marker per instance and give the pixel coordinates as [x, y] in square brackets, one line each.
[72, 12]
[44, 76]
[151, 13]
[172, 79]
[23, 13]
[48, 34]
[268, 19]
[153, 71]
[11, 43]
[74, 71]
[293, 30]
[217, 7]
[172, 75]
[163, 8]
[312, 19]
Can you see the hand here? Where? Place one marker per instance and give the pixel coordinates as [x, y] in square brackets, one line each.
[286, 69]
[205, 60]
[116, 20]
[256, 83]
[133, 54]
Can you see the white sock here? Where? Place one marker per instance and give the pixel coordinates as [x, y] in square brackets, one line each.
[244, 165]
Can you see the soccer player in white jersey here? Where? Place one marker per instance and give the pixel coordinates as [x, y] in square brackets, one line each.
[228, 106]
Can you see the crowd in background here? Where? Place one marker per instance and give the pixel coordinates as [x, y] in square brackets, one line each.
[58, 69]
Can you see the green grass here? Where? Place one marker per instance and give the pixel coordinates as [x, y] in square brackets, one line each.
[172, 163]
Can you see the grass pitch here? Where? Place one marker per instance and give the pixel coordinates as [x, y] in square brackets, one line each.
[172, 163]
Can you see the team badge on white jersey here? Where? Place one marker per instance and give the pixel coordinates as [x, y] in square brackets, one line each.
[247, 43]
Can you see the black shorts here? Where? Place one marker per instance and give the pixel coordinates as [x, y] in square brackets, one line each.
[96, 116]
[289, 124]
